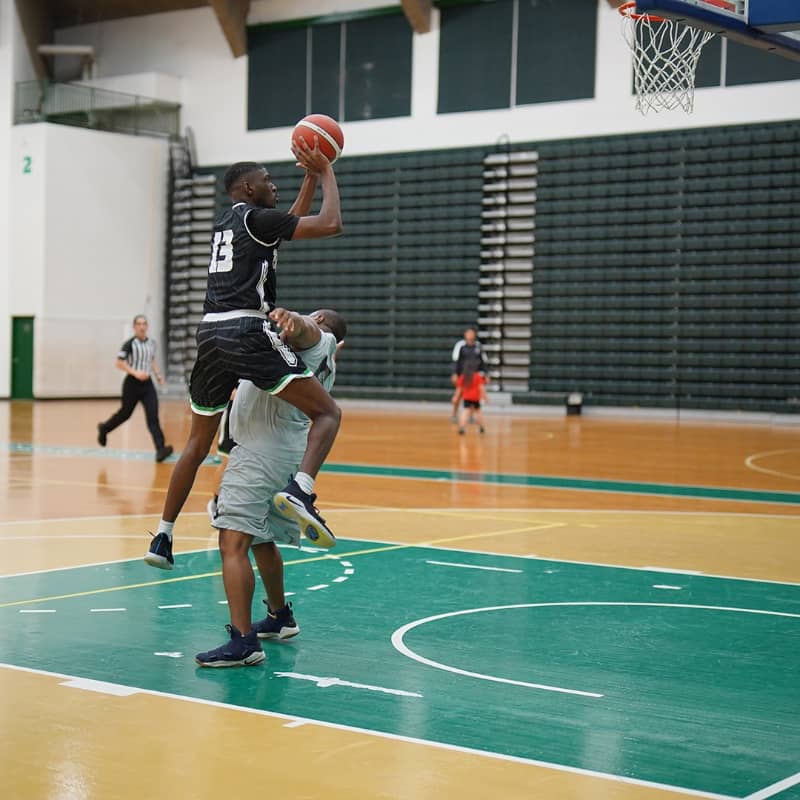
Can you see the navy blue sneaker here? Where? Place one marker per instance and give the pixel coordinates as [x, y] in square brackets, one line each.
[240, 651]
[160, 552]
[280, 625]
[295, 504]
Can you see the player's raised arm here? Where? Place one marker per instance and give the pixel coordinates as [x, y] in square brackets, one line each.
[329, 220]
[302, 203]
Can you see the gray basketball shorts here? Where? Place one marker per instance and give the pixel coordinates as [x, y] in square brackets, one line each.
[245, 497]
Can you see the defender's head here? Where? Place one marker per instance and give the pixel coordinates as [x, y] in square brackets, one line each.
[331, 321]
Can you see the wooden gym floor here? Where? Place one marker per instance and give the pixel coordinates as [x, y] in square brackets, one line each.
[564, 607]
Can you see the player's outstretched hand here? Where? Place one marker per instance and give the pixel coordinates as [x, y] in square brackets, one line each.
[310, 158]
[288, 320]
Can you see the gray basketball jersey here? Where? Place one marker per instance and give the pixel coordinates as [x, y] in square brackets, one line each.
[264, 423]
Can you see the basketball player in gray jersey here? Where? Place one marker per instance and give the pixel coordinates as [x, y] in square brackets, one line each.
[270, 436]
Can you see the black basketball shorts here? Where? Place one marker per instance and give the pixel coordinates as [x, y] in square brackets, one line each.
[241, 348]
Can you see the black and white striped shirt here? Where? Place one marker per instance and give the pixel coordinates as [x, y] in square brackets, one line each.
[139, 354]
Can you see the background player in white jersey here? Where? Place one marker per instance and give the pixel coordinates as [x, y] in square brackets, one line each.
[270, 436]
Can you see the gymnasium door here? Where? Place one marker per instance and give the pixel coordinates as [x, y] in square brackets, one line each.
[22, 358]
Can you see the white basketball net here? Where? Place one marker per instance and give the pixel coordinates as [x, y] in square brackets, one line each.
[665, 56]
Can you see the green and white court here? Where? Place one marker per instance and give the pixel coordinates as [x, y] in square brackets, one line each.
[657, 677]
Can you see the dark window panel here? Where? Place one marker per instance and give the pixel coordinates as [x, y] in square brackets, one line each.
[710, 64]
[475, 57]
[325, 69]
[753, 65]
[276, 78]
[378, 71]
[548, 30]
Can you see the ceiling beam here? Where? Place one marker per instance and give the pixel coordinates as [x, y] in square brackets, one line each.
[418, 14]
[232, 17]
[37, 25]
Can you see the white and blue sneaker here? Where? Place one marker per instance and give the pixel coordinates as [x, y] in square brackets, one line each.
[212, 509]
[278, 625]
[294, 503]
[240, 651]
[160, 553]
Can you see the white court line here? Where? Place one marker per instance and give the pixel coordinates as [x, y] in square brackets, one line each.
[340, 579]
[404, 649]
[105, 610]
[37, 611]
[178, 605]
[324, 683]
[472, 566]
[553, 560]
[671, 569]
[318, 586]
[667, 586]
[775, 788]
[93, 564]
[89, 685]
[409, 739]
[349, 571]
[749, 462]
[298, 723]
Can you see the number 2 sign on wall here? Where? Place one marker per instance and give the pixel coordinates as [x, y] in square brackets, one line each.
[26, 165]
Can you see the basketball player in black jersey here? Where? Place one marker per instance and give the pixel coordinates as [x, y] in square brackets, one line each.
[235, 341]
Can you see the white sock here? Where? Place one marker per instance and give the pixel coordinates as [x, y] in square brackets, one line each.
[166, 527]
[305, 482]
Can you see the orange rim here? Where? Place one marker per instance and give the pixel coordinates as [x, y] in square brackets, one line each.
[629, 10]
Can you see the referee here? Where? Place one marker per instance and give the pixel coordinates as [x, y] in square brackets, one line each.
[137, 358]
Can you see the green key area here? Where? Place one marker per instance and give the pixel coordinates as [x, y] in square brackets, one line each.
[684, 680]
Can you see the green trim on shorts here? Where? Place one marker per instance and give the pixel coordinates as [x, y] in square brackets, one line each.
[288, 378]
[206, 411]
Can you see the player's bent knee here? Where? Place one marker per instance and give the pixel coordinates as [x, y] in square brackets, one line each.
[234, 543]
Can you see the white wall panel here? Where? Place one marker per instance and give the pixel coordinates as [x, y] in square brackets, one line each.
[190, 44]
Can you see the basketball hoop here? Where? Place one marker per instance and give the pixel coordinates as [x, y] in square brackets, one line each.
[665, 56]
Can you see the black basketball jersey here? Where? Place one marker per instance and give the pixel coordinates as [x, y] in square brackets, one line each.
[241, 272]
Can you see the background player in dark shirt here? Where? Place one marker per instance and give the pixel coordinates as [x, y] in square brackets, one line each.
[467, 352]
[235, 340]
[137, 358]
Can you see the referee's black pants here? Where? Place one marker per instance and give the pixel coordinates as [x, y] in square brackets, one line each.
[135, 391]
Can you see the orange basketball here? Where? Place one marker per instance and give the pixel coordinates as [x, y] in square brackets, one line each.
[331, 138]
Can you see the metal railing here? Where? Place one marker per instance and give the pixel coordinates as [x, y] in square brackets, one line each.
[91, 107]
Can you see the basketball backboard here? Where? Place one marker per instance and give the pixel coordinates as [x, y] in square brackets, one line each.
[772, 25]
